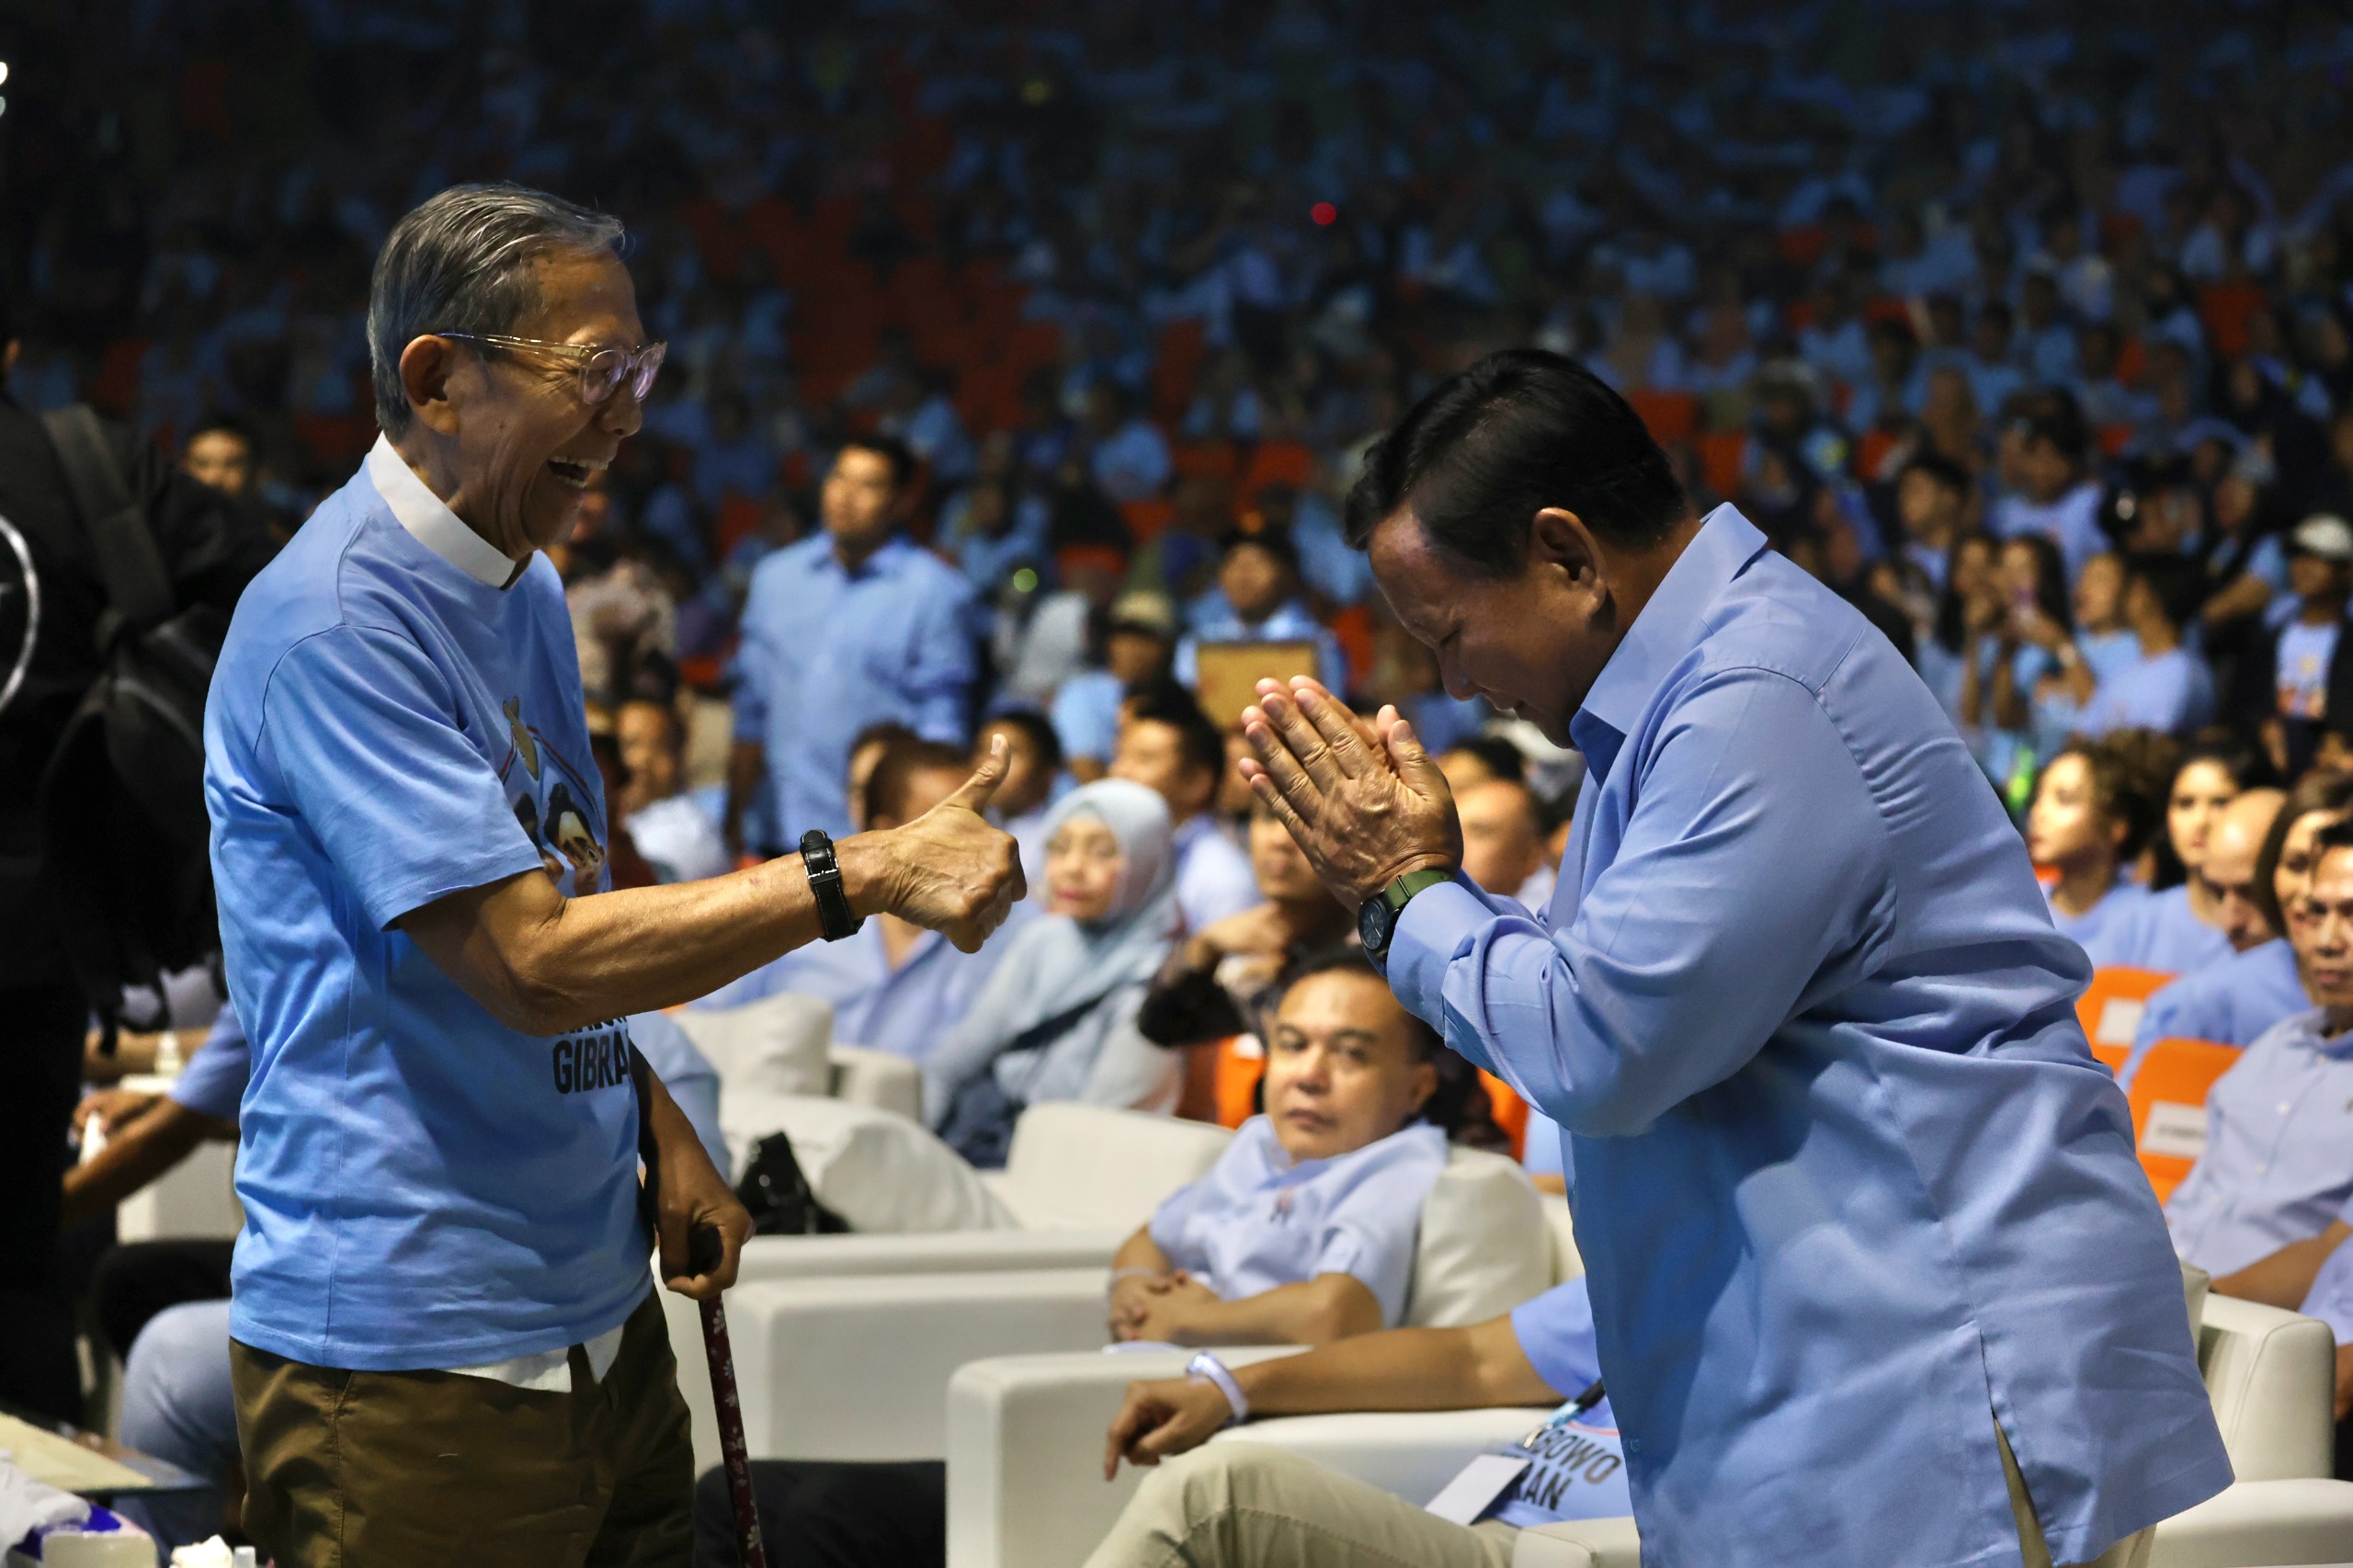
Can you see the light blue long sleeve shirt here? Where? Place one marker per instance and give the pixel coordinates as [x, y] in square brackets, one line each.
[827, 652]
[2230, 1002]
[1848, 1182]
[2279, 1159]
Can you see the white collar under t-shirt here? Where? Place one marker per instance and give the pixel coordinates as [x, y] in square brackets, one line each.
[431, 523]
[429, 520]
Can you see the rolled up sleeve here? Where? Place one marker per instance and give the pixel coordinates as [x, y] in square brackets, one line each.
[1753, 858]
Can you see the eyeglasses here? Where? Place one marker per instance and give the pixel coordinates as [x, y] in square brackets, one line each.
[603, 367]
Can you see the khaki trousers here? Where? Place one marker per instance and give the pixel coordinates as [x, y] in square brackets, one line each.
[1247, 1504]
[2133, 1551]
[419, 1470]
[1252, 1506]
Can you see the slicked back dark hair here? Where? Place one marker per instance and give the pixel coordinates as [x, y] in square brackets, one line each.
[1518, 431]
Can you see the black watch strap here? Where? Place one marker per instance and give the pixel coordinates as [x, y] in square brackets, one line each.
[826, 882]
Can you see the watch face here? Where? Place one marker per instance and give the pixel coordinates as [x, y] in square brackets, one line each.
[1375, 921]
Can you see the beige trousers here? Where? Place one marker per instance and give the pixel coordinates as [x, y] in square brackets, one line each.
[2133, 1551]
[1245, 1504]
[1252, 1504]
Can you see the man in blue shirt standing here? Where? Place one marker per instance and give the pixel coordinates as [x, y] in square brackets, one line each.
[445, 1344]
[1859, 1208]
[849, 627]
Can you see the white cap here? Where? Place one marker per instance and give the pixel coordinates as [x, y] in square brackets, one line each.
[2325, 534]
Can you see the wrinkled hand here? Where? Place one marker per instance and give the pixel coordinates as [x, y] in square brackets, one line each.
[1170, 1307]
[948, 870]
[691, 1196]
[1163, 1418]
[1127, 1305]
[1363, 813]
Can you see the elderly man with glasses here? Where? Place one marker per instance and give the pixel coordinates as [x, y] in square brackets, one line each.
[445, 1343]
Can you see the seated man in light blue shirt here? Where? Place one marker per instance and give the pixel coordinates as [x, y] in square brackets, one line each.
[2235, 999]
[1795, 966]
[852, 626]
[893, 986]
[2168, 688]
[1168, 745]
[2279, 1158]
[1304, 1228]
[1257, 576]
[1240, 1505]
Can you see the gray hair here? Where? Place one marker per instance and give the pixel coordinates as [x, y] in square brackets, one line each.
[461, 261]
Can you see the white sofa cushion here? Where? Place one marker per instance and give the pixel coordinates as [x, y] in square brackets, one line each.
[1485, 1245]
[866, 1076]
[1083, 1166]
[776, 1045]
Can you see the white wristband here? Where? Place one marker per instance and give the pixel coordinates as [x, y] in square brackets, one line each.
[1206, 1367]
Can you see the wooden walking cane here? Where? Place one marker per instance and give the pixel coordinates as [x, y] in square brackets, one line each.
[751, 1553]
[704, 1250]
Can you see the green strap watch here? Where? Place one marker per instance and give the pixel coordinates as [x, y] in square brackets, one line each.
[1377, 917]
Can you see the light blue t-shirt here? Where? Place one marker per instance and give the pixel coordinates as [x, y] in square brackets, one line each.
[2097, 929]
[1579, 1469]
[2161, 932]
[2230, 1002]
[214, 1079]
[1260, 1219]
[423, 1186]
[2172, 692]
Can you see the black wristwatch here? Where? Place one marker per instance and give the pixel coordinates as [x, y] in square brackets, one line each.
[825, 880]
[1377, 916]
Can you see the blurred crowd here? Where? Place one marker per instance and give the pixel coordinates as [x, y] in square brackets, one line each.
[2024, 328]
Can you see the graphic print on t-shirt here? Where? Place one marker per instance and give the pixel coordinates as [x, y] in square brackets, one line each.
[554, 803]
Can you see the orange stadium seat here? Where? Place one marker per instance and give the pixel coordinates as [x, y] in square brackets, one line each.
[2110, 1005]
[1210, 460]
[2168, 1100]
[1672, 416]
[1722, 453]
[1278, 462]
[1147, 518]
[1511, 1111]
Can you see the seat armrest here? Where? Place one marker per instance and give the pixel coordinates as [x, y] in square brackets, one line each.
[2272, 1376]
[931, 1251]
[1025, 1452]
[857, 1367]
[2256, 1523]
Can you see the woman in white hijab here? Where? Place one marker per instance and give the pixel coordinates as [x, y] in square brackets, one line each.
[1056, 1021]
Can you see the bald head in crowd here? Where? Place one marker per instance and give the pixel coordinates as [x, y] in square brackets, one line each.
[2231, 851]
[1503, 835]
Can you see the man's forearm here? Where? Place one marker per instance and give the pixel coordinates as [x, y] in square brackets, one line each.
[544, 963]
[137, 1156]
[2285, 1277]
[1404, 1368]
[1317, 1312]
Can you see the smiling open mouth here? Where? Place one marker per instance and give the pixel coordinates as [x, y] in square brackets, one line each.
[575, 472]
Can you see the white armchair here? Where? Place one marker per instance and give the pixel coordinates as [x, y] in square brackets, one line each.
[857, 1367]
[1025, 1433]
